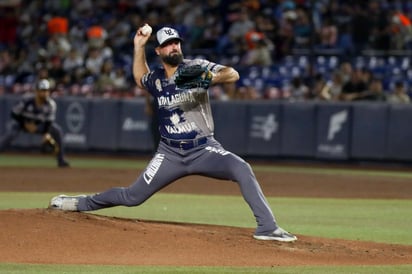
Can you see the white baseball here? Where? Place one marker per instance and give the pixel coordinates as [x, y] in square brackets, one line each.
[146, 30]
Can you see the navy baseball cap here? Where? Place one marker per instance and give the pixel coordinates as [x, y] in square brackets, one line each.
[43, 84]
[166, 34]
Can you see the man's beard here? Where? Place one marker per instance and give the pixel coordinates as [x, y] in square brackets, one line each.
[173, 59]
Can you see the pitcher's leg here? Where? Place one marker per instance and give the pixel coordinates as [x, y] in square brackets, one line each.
[225, 165]
[160, 172]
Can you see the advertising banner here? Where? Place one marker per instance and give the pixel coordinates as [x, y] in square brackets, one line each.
[135, 133]
[369, 127]
[104, 127]
[230, 125]
[73, 116]
[298, 129]
[263, 129]
[333, 130]
[399, 133]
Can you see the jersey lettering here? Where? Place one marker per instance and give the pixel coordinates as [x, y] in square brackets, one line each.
[175, 99]
[153, 168]
[182, 128]
[219, 151]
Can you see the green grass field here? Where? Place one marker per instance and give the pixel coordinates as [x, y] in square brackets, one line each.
[379, 220]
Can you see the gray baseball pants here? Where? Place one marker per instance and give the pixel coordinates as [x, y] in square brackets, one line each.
[170, 163]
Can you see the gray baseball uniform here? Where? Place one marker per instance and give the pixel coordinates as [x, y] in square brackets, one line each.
[187, 147]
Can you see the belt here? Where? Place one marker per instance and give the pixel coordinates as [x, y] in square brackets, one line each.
[185, 144]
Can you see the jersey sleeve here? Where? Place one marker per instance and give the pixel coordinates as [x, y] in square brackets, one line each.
[147, 80]
[213, 67]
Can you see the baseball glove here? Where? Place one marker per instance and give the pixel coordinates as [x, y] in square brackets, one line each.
[194, 76]
[50, 145]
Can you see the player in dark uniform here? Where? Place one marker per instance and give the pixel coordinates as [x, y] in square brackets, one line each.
[35, 114]
[187, 144]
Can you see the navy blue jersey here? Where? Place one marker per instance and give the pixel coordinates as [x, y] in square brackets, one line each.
[27, 111]
[183, 113]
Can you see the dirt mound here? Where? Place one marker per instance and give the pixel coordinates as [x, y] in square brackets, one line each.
[55, 237]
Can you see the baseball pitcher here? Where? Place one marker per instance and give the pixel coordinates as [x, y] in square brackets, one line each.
[187, 144]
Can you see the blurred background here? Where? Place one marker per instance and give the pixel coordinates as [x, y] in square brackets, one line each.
[329, 52]
[284, 49]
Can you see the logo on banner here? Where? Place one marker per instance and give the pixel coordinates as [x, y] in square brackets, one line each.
[75, 119]
[134, 125]
[335, 123]
[264, 126]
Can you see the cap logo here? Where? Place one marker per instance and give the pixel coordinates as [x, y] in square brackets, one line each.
[169, 32]
[165, 34]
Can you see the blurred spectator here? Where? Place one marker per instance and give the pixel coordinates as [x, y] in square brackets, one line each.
[73, 61]
[296, 90]
[85, 33]
[247, 92]
[6, 62]
[118, 31]
[333, 87]
[346, 70]
[234, 39]
[366, 75]
[302, 30]
[273, 93]
[196, 32]
[261, 55]
[354, 88]
[401, 30]
[375, 91]
[217, 92]
[9, 24]
[26, 29]
[58, 45]
[258, 49]
[361, 27]
[212, 31]
[7, 70]
[77, 37]
[94, 61]
[58, 25]
[105, 83]
[317, 88]
[328, 34]
[379, 36]
[398, 94]
[55, 68]
[119, 80]
[43, 73]
[286, 33]
[96, 36]
[63, 86]
[228, 91]
[106, 50]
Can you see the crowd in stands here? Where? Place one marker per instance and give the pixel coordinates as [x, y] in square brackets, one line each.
[85, 46]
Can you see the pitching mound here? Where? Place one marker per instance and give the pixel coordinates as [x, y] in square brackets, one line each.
[55, 237]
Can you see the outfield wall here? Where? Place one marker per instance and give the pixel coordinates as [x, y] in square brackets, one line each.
[312, 130]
